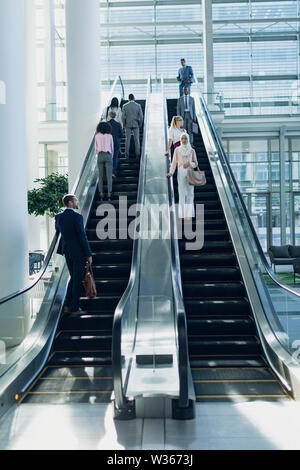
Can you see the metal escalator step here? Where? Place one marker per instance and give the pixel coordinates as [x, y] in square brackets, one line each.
[75, 372]
[232, 373]
[209, 246]
[111, 257]
[246, 390]
[238, 345]
[223, 308]
[111, 286]
[61, 398]
[111, 245]
[121, 271]
[101, 304]
[80, 358]
[87, 322]
[200, 259]
[218, 290]
[83, 341]
[211, 273]
[226, 361]
[219, 326]
[212, 235]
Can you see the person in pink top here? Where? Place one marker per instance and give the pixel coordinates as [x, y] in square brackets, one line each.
[104, 147]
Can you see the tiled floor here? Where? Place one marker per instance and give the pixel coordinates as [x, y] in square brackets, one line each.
[252, 425]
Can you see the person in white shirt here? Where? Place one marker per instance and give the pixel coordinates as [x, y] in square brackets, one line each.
[114, 106]
[186, 109]
[175, 132]
[184, 158]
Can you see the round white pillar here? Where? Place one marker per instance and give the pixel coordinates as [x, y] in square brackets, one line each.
[84, 79]
[13, 171]
[31, 117]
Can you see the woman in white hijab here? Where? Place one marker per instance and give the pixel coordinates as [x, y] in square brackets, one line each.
[184, 158]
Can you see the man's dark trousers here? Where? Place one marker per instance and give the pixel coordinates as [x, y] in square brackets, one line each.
[77, 269]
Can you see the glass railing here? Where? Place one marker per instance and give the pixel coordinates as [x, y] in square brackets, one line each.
[179, 309]
[25, 315]
[276, 307]
[266, 105]
[126, 314]
[255, 105]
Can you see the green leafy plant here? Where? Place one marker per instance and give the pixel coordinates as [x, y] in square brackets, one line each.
[47, 199]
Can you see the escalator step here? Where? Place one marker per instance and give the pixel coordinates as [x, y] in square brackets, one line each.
[111, 286]
[112, 257]
[219, 290]
[200, 259]
[249, 389]
[102, 303]
[116, 271]
[235, 373]
[210, 246]
[229, 361]
[219, 326]
[209, 274]
[224, 307]
[236, 345]
[83, 341]
[77, 358]
[87, 322]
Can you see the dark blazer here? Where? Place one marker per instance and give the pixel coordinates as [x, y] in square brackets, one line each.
[117, 132]
[181, 107]
[74, 242]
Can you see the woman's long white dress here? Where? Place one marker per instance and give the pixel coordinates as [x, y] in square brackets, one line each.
[186, 207]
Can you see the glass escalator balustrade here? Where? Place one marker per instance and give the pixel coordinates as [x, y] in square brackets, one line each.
[79, 367]
[279, 303]
[226, 355]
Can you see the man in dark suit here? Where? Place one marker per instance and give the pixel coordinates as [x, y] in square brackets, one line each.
[117, 134]
[186, 109]
[74, 245]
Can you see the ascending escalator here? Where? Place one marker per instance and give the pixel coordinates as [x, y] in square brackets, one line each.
[79, 367]
[226, 357]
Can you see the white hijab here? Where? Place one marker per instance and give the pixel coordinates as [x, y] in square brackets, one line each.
[185, 150]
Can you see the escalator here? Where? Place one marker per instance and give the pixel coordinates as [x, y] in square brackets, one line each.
[226, 356]
[79, 368]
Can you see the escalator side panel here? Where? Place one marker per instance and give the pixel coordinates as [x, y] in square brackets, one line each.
[226, 356]
[79, 368]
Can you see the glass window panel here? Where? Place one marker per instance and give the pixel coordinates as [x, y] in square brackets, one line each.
[231, 59]
[271, 58]
[40, 64]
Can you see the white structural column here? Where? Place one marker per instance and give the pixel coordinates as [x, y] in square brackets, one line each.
[283, 208]
[31, 115]
[208, 50]
[50, 64]
[84, 85]
[13, 171]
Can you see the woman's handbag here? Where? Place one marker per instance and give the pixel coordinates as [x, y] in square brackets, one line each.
[89, 283]
[196, 177]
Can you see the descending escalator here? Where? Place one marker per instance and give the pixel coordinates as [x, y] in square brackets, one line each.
[226, 357]
[79, 368]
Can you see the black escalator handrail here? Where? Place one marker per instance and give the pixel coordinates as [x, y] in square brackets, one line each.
[50, 252]
[120, 399]
[39, 276]
[183, 355]
[242, 203]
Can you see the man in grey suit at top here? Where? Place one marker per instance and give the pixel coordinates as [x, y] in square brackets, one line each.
[186, 109]
[132, 117]
[185, 76]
